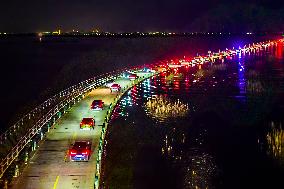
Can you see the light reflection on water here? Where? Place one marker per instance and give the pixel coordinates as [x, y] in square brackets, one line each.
[196, 166]
[241, 77]
[244, 82]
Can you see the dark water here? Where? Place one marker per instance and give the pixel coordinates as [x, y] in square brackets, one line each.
[31, 71]
[230, 137]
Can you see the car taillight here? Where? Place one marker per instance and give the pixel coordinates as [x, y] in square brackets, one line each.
[85, 152]
[73, 152]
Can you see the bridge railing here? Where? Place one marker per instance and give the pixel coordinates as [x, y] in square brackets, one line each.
[38, 111]
[46, 105]
[64, 99]
[102, 144]
[54, 100]
[19, 135]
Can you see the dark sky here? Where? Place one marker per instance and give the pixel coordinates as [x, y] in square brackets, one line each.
[132, 15]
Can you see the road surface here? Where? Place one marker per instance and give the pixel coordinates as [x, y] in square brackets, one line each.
[50, 167]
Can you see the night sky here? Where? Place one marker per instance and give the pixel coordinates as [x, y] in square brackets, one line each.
[146, 15]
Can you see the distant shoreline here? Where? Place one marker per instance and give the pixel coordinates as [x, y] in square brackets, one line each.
[137, 34]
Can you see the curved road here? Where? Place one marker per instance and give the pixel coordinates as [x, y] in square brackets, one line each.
[50, 167]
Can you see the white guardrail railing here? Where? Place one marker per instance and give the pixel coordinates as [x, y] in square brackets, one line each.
[63, 99]
[22, 132]
[102, 143]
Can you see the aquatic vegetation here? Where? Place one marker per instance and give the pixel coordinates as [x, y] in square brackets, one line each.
[160, 107]
[200, 73]
[275, 141]
[210, 71]
[199, 169]
[170, 78]
[252, 74]
[254, 86]
[216, 67]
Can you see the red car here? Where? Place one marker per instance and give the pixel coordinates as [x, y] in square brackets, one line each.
[132, 76]
[87, 123]
[80, 151]
[97, 105]
[115, 87]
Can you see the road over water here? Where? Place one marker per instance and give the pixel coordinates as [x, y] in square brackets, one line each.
[50, 167]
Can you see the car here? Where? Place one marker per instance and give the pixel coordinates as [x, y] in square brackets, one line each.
[148, 70]
[80, 151]
[132, 76]
[115, 87]
[87, 123]
[109, 82]
[126, 75]
[97, 105]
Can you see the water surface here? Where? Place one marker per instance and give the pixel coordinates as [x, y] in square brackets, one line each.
[231, 136]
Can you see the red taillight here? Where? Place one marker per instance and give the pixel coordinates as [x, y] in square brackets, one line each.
[73, 152]
[86, 152]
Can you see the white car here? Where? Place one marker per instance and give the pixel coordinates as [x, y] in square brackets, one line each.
[109, 83]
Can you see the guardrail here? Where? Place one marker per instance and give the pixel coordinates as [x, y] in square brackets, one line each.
[65, 99]
[22, 132]
[49, 103]
[102, 142]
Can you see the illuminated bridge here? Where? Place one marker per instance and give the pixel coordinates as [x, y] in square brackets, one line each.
[35, 151]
